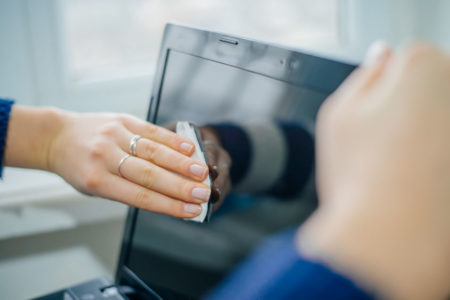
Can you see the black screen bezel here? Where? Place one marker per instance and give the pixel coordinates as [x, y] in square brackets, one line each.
[277, 62]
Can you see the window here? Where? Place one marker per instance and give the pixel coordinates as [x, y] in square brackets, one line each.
[99, 55]
[119, 38]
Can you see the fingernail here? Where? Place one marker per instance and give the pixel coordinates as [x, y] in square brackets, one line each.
[376, 52]
[201, 193]
[192, 209]
[198, 170]
[186, 147]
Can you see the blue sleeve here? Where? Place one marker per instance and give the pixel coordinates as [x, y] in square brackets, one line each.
[5, 109]
[277, 271]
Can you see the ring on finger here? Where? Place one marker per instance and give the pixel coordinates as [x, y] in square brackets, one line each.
[133, 143]
[122, 160]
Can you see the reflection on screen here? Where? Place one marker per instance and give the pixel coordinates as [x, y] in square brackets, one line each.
[190, 258]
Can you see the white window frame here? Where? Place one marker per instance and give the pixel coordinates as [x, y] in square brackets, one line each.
[54, 87]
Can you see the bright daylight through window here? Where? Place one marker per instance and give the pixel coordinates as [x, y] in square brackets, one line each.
[120, 38]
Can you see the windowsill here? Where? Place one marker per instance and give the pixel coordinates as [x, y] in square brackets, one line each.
[35, 202]
[115, 76]
[47, 225]
[22, 186]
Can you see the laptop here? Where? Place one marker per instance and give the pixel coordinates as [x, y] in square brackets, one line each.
[208, 77]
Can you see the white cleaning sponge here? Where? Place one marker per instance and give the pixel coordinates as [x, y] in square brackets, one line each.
[187, 130]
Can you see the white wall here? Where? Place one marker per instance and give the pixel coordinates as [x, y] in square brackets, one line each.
[16, 67]
[398, 22]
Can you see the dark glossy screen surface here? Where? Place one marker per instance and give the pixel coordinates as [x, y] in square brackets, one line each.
[176, 256]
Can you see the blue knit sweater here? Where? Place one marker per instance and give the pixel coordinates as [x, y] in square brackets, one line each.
[5, 109]
[277, 271]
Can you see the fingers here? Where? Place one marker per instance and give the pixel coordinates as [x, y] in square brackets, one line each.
[377, 60]
[364, 77]
[153, 177]
[421, 56]
[159, 134]
[120, 189]
[163, 156]
[168, 158]
[377, 52]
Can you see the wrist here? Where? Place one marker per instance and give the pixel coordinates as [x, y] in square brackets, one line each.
[57, 121]
[30, 134]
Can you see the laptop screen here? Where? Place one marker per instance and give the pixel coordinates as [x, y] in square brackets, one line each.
[177, 257]
[204, 91]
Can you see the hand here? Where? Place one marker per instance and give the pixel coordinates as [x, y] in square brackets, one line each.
[219, 163]
[87, 149]
[383, 175]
